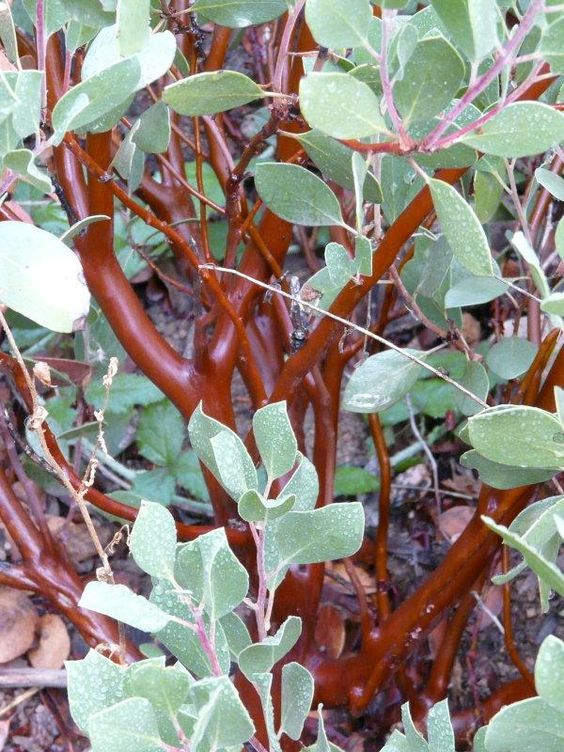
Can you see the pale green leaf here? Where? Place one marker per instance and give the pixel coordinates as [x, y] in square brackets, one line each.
[132, 21]
[511, 356]
[474, 291]
[504, 476]
[153, 540]
[527, 252]
[472, 25]
[239, 13]
[475, 379]
[525, 726]
[303, 484]
[78, 227]
[22, 162]
[439, 728]
[518, 435]
[297, 195]
[261, 656]
[462, 229]
[129, 726]
[297, 696]
[8, 33]
[431, 79]
[380, 381]
[232, 461]
[119, 602]
[94, 683]
[522, 129]
[336, 24]
[549, 672]
[340, 106]
[211, 92]
[165, 687]
[550, 180]
[552, 45]
[153, 133]
[41, 277]
[222, 719]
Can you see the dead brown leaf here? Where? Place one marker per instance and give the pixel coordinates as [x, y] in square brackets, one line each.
[454, 520]
[54, 643]
[330, 632]
[18, 619]
[75, 537]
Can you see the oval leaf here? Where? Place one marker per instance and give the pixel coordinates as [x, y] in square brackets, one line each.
[239, 13]
[511, 356]
[335, 24]
[41, 277]
[297, 195]
[208, 93]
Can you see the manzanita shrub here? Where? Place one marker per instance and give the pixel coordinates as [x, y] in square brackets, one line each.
[296, 176]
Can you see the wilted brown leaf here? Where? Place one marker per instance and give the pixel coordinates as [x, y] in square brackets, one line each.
[330, 630]
[454, 520]
[18, 620]
[54, 643]
[75, 537]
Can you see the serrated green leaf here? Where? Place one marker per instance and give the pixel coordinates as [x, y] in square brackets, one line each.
[340, 106]
[211, 92]
[119, 602]
[351, 481]
[41, 277]
[153, 540]
[188, 474]
[522, 129]
[297, 195]
[127, 390]
[462, 229]
[161, 433]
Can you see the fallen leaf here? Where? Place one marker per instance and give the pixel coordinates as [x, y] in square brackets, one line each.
[75, 538]
[54, 643]
[330, 630]
[18, 619]
[454, 520]
[341, 581]
[471, 329]
[493, 602]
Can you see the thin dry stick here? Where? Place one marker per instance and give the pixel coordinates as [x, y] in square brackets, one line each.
[428, 452]
[350, 325]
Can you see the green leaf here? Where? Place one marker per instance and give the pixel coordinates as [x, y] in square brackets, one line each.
[132, 20]
[212, 573]
[41, 277]
[504, 476]
[202, 430]
[332, 532]
[236, 632]
[475, 379]
[552, 45]
[472, 25]
[351, 481]
[297, 195]
[56, 14]
[380, 381]
[129, 726]
[253, 507]
[153, 540]
[439, 728]
[120, 603]
[297, 696]
[211, 92]
[239, 13]
[8, 33]
[522, 129]
[518, 435]
[78, 227]
[161, 433]
[188, 474]
[182, 639]
[334, 24]
[263, 686]
[303, 484]
[232, 463]
[127, 390]
[154, 485]
[275, 439]
[95, 97]
[474, 291]
[488, 192]
[524, 726]
[527, 252]
[165, 687]
[432, 78]
[22, 162]
[261, 656]
[89, 12]
[94, 683]
[415, 740]
[511, 356]
[549, 672]
[222, 719]
[340, 106]
[550, 180]
[153, 133]
[462, 229]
